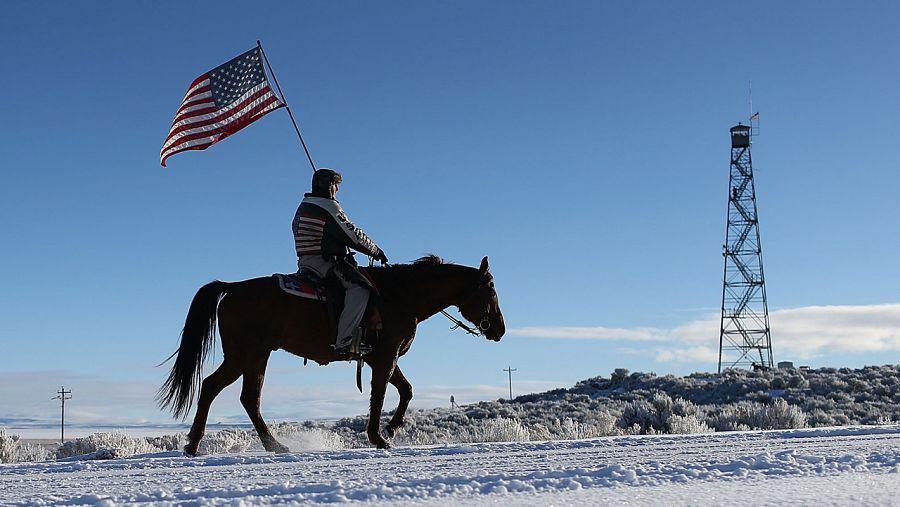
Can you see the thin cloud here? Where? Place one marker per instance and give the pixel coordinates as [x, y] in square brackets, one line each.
[810, 331]
[803, 333]
[688, 355]
[592, 333]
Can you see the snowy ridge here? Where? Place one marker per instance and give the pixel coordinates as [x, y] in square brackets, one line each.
[469, 473]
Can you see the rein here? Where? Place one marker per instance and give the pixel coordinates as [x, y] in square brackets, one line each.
[482, 326]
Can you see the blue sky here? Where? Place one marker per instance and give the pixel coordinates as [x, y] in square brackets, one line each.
[582, 146]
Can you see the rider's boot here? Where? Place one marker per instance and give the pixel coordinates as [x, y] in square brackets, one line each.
[352, 346]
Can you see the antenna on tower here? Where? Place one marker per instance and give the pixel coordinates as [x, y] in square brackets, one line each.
[754, 115]
[750, 97]
[745, 313]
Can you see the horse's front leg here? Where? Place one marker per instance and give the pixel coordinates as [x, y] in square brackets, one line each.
[404, 389]
[382, 370]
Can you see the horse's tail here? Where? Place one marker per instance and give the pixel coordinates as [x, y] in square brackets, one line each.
[197, 338]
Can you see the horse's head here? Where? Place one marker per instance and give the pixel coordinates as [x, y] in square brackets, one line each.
[482, 308]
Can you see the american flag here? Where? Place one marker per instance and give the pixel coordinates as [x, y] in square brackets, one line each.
[220, 103]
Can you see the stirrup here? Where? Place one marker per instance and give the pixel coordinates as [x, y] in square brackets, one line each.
[350, 353]
[355, 349]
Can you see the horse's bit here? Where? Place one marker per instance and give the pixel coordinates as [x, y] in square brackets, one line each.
[483, 325]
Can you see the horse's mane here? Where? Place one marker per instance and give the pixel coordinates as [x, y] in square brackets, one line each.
[403, 273]
[429, 259]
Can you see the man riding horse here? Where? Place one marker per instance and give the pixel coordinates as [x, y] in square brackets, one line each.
[256, 317]
[323, 237]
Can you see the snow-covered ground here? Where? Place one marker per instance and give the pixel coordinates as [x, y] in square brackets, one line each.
[830, 466]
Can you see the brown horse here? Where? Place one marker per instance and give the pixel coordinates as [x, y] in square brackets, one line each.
[256, 317]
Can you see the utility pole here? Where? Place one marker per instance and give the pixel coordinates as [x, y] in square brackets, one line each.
[510, 370]
[62, 398]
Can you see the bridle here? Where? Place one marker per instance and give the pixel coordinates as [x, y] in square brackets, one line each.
[483, 325]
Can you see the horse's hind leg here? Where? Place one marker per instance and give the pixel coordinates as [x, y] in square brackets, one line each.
[251, 393]
[224, 376]
[404, 389]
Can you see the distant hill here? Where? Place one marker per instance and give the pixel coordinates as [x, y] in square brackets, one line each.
[623, 404]
[627, 403]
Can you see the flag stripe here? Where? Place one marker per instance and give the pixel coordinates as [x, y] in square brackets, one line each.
[220, 134]
[200, 119]
[193, 102]
[197, 95]
[205, 142]
[203, 91]
[197, 82]
[196, 108]
[188, 132]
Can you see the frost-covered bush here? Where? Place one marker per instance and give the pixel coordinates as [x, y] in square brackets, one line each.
[14, 451]
[663, 415]
[780, 415]
[687, 424]
[603, 425]
[174, 442]
[307, 437]
[423, 429]
[228, 441]
[231, 440]
[500, 430]
[105, 446]
[619, 375]
[639, 414]
[480, 430]
[757, 416]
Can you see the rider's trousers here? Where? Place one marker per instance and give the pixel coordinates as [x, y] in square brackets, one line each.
[355, 298]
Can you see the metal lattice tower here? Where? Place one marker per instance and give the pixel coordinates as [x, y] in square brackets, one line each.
[744, 338]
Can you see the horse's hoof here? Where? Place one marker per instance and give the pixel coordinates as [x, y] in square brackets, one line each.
[383, 445]
[277, 447]
[388, 431]
[190, 450]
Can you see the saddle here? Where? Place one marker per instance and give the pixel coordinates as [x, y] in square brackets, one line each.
[330, 292]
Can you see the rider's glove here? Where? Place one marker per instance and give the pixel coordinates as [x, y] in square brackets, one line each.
[381, 257]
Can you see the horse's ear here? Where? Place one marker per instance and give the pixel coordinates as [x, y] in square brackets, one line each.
[484, 265]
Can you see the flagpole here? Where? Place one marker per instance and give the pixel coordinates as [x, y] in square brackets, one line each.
[286, 106]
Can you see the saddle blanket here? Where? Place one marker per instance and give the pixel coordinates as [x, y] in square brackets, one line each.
[298, 286]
